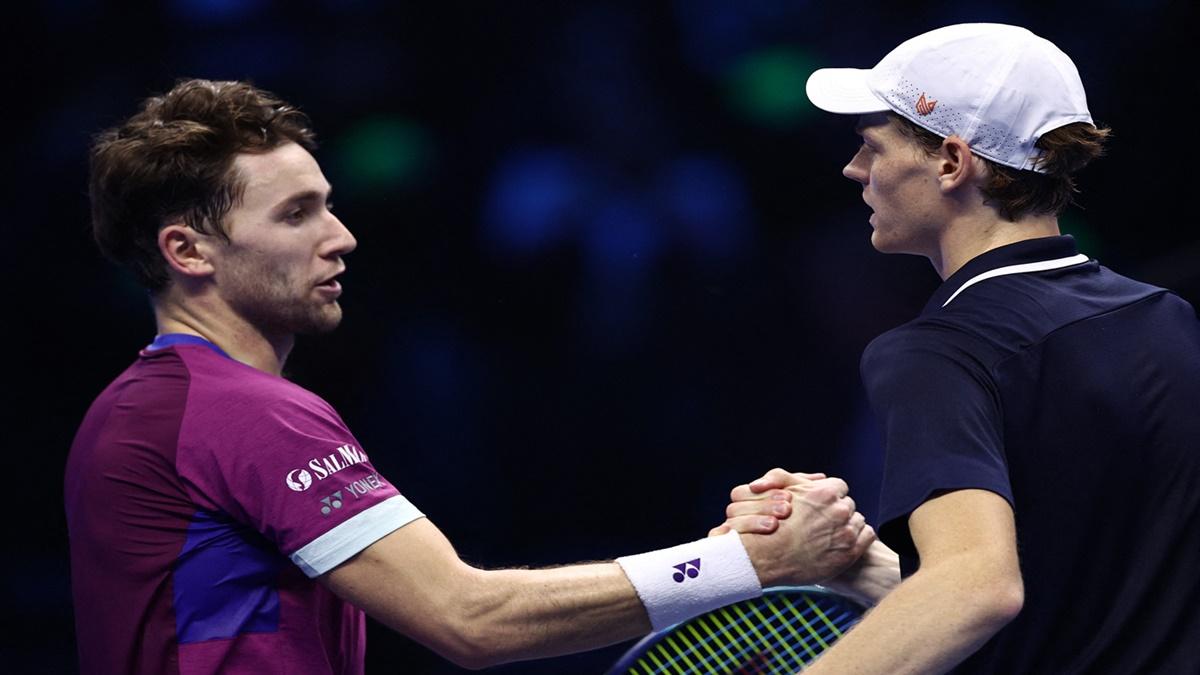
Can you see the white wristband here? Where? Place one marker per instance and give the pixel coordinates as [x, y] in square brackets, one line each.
[683, 581]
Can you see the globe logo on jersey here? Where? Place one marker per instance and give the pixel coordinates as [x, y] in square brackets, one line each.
[299, 480]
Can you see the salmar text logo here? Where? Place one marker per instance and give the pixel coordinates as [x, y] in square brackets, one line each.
[324, 467]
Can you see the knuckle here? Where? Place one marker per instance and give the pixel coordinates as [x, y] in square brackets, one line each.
[823, 492]
[777, 475]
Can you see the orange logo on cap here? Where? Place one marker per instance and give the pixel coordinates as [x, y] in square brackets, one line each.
[925, 107]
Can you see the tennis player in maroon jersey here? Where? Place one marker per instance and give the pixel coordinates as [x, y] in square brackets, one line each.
[223, 519]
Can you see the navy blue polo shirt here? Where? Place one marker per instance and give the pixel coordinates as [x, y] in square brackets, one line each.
[1073, 393]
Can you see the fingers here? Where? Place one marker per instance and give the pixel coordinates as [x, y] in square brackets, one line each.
[866, 537]
[718, 530]
[847, 503]
[772, 480]
[779, 504]
[742, 493]
[857, 522]
[749, 524]
[851, 540]
[778, 478]
[822, 492]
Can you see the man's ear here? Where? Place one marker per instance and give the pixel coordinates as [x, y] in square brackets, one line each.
[956, 164]
[186, 251]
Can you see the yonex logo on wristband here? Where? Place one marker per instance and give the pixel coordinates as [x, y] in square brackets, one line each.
[657, 575]
[687, 570]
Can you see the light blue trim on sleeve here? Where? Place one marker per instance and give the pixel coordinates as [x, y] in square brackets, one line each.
[337, 545]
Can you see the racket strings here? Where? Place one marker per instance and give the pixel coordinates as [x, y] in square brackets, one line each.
[771, 635]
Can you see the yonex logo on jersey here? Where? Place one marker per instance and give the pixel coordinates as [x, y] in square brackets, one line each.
[687, 570]
[324, 467]
[299, 480]
[924, 106]
[362, 486]
[333, 501]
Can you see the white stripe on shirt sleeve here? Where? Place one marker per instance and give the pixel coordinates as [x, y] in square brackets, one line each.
[337, 545]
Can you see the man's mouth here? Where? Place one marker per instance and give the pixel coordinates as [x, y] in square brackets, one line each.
[332, 284]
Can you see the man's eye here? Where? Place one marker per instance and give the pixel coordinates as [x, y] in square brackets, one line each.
[294, 216]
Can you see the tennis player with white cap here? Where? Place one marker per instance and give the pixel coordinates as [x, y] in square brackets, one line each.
[1042, 479]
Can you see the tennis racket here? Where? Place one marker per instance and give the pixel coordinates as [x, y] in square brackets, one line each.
[781, 632]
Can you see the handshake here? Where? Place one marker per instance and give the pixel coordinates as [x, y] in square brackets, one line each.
[803, 528]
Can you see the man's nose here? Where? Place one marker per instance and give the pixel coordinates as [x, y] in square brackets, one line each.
[856, 170]
[344, 241]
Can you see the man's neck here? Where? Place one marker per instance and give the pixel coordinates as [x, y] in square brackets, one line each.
[967, 238]
[222, 327]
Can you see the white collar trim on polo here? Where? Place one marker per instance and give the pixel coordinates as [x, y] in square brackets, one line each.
[1040, 266]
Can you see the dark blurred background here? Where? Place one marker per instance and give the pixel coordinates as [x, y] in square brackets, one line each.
[607, 264]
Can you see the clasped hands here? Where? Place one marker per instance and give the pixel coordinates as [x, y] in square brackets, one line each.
[798, 528]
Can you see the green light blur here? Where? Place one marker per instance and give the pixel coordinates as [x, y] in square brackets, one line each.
[767, 87]
[384, 153]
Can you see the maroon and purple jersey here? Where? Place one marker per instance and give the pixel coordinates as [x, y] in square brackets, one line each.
[203, 497]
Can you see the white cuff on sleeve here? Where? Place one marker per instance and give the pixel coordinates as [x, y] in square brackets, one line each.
[683, 581]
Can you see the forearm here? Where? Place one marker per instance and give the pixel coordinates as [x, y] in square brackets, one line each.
[928, 624]
[537, 613]
[414, 582]
[512, 615]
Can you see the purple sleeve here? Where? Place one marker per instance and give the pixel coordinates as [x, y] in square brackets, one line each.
[941, 424]
[279, 459]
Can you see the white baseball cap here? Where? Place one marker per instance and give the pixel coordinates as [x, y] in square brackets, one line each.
[997, 87]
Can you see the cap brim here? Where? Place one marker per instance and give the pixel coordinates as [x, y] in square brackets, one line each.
[843, 91]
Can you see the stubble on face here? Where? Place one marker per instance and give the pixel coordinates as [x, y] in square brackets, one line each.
[268, 295]
[272, 265]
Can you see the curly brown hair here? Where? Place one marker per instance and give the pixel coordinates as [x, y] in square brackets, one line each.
[173, 161]
[1015, 193]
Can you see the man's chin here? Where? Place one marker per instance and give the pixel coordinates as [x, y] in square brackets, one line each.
[320, 322]
[882, 243]
[328, 321]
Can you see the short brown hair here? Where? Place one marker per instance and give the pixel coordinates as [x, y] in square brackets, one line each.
[173, 160]
[1015, 193]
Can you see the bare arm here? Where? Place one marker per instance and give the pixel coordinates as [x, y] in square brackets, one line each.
[968, 588]
[413, 581]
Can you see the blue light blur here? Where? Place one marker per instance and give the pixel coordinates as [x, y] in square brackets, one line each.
[215, 11]
[258, 55]
[623, 237]
[530, 204]
[708, 204]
